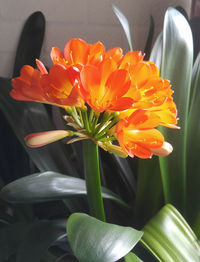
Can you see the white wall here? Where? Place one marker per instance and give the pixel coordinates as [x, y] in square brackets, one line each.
[92, 20]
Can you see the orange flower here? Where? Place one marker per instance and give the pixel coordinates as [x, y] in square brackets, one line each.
[148, 90]
[137, 135]
[103, 87]
[56, 87]
[79, 53]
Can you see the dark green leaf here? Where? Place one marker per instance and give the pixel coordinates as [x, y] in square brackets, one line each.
[30, 117]
[124, 22]
[169, 237]
[126, 172]
[38, 239]
[103, 242]
[148, 45]
[48, 186]
[131, 257]
[30, 42]
[195, 25]
[149, 194]
[10, 238]
[193, 144]
[177, 60]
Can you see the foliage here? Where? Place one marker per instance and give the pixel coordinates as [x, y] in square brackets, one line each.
[35, 208]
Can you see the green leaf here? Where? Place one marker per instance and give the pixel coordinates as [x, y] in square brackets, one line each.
[30, 117]
[10, 238]
[156, 52]
[95, 241]
[169, 237]
[177, 60]
[193, 144]
[148, 45]
[195, 24]
[30, 42]
[149, 194]
[126, 172]
[124, 22]
[48, 186]
[131, 257]
[38, 239]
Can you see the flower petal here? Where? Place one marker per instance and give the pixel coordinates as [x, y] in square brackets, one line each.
[44, 138]
[76, 51]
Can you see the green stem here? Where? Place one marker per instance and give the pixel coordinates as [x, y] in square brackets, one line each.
[93, 181]
[85, 120]
[112, 123]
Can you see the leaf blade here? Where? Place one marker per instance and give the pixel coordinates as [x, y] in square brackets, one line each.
[47, 186]
[177, 60]
[170, 238]
[103, 242]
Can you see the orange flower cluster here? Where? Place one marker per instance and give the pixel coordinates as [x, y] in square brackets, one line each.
[88, 76]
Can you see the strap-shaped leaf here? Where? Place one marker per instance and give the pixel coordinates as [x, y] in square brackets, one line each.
[30, 42]
[124, 22]
[169, 237]
[95, 241]
[156, 52]
[149, 194]
[49, 186]
[147, 49]
[193, 144]
[177, 60]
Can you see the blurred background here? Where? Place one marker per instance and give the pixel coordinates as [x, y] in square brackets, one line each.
[91, 20]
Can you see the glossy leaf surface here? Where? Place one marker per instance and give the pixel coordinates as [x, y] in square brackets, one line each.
[103, 242]
[177, 60]
[156, 52]
[48, 186]
[124, 22]
[131, 257]
[169, 237]
[193, 140]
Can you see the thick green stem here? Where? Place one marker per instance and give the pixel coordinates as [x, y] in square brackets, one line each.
[93, 181]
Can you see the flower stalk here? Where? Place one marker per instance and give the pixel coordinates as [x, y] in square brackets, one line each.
[93, 180]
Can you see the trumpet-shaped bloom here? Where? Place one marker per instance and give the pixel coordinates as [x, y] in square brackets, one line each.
[79, 53]
[103, 87]
[137, 135]
[57, 87]
[148, 90]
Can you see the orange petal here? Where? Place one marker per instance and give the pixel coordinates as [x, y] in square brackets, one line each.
[96, 53]
[131, 59]
[149, 138]
[57, 56]
[142, 119]
[76, 51]
[106, 68]
[41, 67]
[44, 138]
[117, 84]
[139, 151]
[121, 104]
[114, 53]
